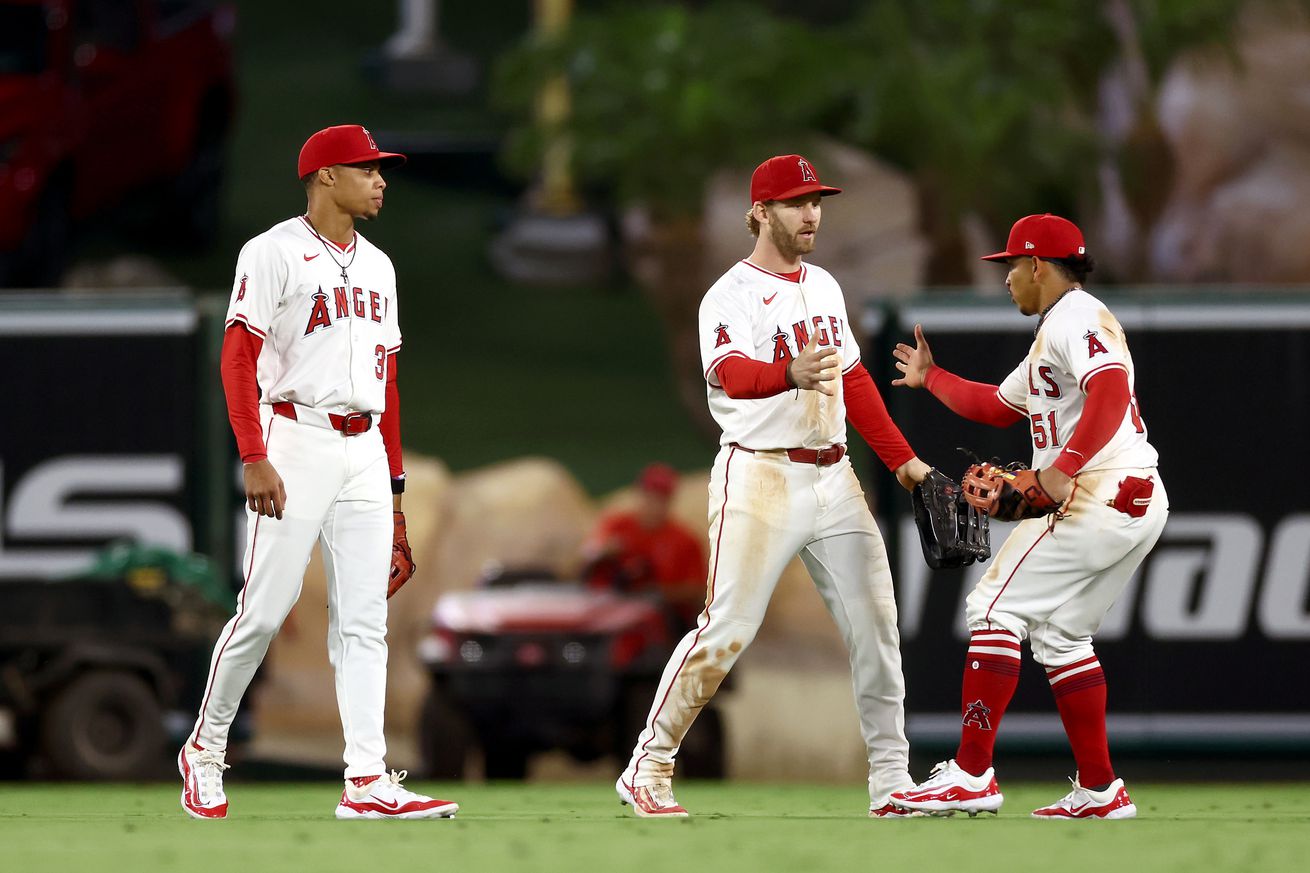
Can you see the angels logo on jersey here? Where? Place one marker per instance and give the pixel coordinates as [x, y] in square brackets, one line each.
[241, 292]
[721, 335]
[346, 305]
[978, 715]
[1094, 345]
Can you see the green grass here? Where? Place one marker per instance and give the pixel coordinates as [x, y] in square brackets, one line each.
[577, 828]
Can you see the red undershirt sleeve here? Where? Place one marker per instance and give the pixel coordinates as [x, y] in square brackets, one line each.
[238, 366]
[976, 401]
[390, 423]
[1103, 413]
[745, 378]
[865, 409]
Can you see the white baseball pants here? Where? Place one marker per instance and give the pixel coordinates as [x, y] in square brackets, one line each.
[338, 494]
[764, 509]
[1054, 583]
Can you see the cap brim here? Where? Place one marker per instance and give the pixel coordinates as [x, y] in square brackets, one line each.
[802, 190]
[385, 159]
[999, 256]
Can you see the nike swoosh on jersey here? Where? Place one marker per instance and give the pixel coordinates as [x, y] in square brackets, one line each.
[310, 257]
[768, 300]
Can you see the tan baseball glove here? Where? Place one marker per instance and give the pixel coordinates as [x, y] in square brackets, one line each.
[1012, 493]
[402, 559]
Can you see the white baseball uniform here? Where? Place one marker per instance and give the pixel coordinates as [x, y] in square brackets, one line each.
[765, 507]
[328, 320]
[1054, 581]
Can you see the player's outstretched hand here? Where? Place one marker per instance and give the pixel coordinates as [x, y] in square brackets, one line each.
[914, 363]
[265, 493]
[911, 473]
[814, 368]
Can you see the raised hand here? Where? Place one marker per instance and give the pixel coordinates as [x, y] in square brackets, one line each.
[814, 368]
[914, 363]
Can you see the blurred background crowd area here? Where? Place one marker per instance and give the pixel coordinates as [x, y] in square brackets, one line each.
[577, 178]
[579, 170]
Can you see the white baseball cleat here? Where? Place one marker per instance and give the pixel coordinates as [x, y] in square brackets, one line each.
[1084, 803]
[202, 782]
[888, 810]
[650, 801]
[385, 798]
[950, 790]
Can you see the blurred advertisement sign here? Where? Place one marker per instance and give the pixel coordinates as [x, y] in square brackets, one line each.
[99, 439]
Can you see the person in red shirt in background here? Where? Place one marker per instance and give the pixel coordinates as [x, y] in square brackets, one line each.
[647, 549]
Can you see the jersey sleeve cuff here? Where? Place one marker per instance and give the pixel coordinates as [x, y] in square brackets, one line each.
[1082, 383]
[1019, 409]
[714, 365]
[245, 322]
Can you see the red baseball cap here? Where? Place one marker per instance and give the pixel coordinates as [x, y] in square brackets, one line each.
[1042, 236]
[659, 478]
[784, 177]
[342, 144]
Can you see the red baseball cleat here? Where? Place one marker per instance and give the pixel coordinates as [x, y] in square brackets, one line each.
[1083, 803]
[650, 801]
[202, 782]
[951, 790]
[384, 798]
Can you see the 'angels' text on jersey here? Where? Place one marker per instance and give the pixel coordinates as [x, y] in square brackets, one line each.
[325, 341]
[754, 313]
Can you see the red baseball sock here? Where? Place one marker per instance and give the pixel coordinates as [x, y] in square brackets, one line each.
[1079, 690]
[991, 672]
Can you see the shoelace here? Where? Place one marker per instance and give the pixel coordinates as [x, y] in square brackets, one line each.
[209, 767]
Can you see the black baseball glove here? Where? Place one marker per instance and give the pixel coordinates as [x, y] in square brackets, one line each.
[952, 532]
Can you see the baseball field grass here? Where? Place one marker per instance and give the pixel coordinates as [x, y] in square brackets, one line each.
[580, 828]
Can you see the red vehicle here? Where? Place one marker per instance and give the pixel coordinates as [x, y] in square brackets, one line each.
[102, 100]
[527, 663]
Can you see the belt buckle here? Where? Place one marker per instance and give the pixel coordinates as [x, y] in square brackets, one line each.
[354, 423]
[827, 456]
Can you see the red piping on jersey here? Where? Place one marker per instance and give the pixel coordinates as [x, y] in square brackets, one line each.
[719, 360]
[744, 378]
[988, 616]
[795, 277]
[241, 610]
[1103, 414]
[243, 320]
[1082, 383]
[344, 249]
[709, 601]
[1019, 409]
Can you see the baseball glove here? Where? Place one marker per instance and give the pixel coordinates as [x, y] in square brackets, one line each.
[1011, 493]
[402, 559]
[952, 532]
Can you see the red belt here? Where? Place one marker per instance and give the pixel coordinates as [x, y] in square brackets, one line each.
[350, 424]
[824, 457]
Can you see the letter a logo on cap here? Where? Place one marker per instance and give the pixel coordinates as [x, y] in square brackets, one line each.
[807, 172]
[368, 136]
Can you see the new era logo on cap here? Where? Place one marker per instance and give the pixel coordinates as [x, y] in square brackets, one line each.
[786, 176]
[1042, 236]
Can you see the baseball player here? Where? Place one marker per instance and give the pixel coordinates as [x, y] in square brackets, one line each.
[783, 371]
[309, 368]
[1055, 578]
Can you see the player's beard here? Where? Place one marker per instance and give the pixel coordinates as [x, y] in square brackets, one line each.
[791, 245]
